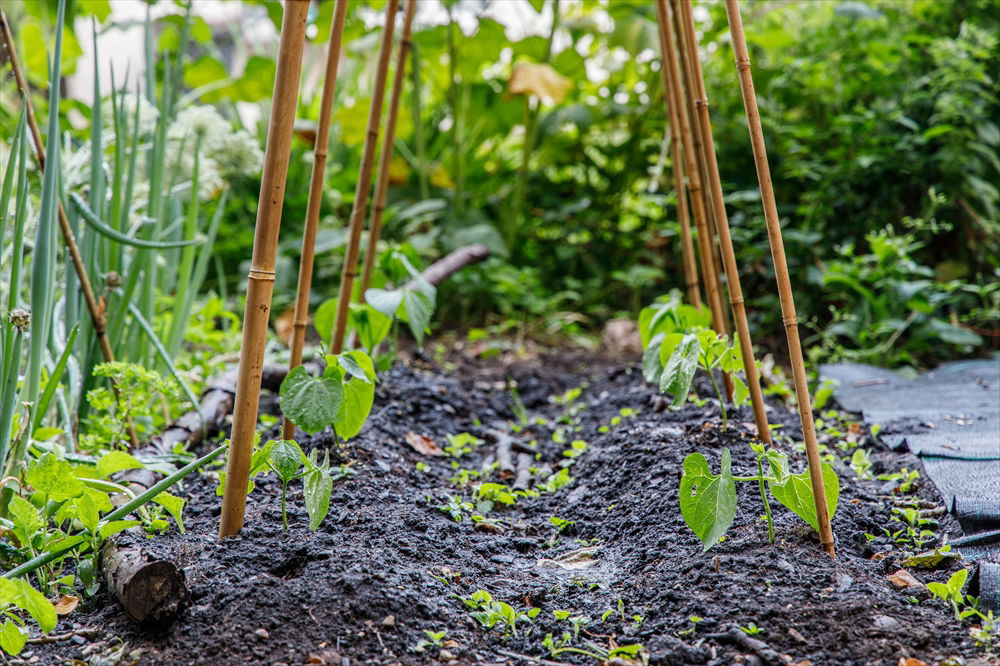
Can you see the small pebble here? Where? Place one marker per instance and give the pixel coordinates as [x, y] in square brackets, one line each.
[389, 621]
[261, 633]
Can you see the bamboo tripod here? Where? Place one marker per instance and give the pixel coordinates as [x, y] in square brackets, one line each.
[361, 193]
[682, 15]
[260, 283]
[673, 79]
[301, 316]
[781, 273]
[687, 243]
[382, 182]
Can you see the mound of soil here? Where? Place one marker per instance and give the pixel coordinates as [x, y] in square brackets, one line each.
[388, 565]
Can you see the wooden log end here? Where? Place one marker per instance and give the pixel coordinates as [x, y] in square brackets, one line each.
[149, 588]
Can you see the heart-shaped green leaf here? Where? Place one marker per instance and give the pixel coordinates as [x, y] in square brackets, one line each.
[311, 402]
[651, 368]
[358, 394]
[708, 501]
[286, 459]
[317, 487]
[796, 494]
[678, 372]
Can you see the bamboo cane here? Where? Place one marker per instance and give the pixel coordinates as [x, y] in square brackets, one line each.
[361, 193]
[260, 281]
[780, 272]
[709, 277]
[382, 181]
[722, 219]
[320, 148]
[687, 243]
[96, 310]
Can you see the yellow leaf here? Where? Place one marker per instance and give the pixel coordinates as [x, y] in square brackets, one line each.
[539, 80]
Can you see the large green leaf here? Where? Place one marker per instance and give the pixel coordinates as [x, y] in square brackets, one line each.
[795, 493]
[20, 593]
[358, 393]
[54, 478]
[12, 639]
[651, 367]
[311, 402]
[678, 372]
[317, 487]
[372, 326]
[708, 501]
[418, 307]
[286, 459]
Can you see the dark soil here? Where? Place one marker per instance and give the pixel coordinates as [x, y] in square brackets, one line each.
[387, 565]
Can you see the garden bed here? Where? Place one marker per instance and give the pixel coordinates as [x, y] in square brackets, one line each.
[387, 564]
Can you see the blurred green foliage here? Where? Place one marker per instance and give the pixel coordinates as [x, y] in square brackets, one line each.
[880, 120]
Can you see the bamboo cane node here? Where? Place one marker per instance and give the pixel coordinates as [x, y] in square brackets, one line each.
[736, 300]
[262, 275]
[701, 102]
[790, 322]
[743, 64]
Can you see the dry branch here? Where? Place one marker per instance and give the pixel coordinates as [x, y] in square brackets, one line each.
[522, 478]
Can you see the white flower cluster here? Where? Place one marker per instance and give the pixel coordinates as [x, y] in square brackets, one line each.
[223, 152]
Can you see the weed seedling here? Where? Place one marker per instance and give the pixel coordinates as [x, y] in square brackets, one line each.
[490, 613]
[751, 629]
[906, 478]
[694, 620]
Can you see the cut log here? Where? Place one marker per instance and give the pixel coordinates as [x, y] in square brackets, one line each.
[149, 587]
[522, 480]
[505, 460]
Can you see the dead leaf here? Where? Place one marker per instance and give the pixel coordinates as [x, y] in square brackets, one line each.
[910, 661]
[66, 605]
[904, 578]
[539, 80]
[423, 444]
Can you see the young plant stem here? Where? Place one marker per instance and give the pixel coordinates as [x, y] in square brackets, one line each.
[709, 277]
[284, 496]
[763, 498]
[361, 192]
[382, 182]
[781, 274]
[736, 300]
[300, 318]
[261, 278]
[722, 399]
